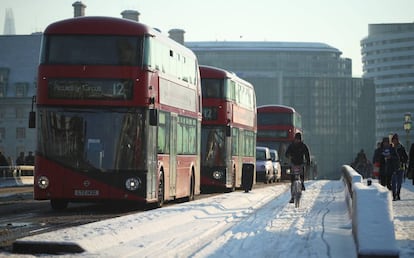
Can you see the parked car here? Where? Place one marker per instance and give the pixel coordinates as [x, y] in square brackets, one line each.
[264, 165]
[277, 168]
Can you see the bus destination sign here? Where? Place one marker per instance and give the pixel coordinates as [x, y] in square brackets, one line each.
[112, 89]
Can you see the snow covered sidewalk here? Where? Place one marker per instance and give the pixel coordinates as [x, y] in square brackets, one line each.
[260, 223]
[404, 220]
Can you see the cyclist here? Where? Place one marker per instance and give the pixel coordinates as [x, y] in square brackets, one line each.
[298, 153]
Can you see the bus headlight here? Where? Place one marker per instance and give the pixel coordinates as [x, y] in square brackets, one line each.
[217, 175]
[288, 171]
[132, 183]
[43, 182]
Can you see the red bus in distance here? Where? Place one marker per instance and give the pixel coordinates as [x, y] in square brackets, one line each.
[276, 129]
[118, 114]
[228, 134]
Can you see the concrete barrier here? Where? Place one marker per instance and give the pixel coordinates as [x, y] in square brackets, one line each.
[372, 216]
[349, 176]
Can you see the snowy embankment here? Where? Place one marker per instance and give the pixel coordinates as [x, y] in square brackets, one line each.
[260, 223]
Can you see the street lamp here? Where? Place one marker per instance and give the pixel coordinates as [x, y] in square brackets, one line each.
[407, 126]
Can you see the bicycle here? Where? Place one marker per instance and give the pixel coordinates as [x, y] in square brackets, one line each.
[296, 187]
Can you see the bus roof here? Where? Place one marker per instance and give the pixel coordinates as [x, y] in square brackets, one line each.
[273, 107]
[219, 73]
[93, 25]
[101, 25]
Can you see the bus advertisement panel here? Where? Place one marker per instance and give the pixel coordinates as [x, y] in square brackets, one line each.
[276, 129]
[228, 131]
[118, 114]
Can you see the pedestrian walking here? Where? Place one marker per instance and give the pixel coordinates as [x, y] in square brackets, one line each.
[4, 165]
[388, 162]
[411, 163]
[362, 165]
[30, 159]
[398, 175]
[376, 160]
[20, 159]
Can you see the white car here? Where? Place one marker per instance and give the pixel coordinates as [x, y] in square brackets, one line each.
[264, 166]
[277, 168]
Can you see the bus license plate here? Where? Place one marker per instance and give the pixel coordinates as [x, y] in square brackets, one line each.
[86, 192]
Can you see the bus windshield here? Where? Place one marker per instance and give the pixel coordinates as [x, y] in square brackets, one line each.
[213, 152]
[92, 139]
[92, 50]
[212, 88]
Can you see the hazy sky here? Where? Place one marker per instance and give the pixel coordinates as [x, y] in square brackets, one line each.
[339, 23]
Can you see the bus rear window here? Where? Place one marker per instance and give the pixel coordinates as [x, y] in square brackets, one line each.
[92, 50]
[274, 119]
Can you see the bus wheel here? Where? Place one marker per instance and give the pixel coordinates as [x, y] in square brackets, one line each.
[58, 204]
[192, 188]
[233, 187]
[160, 201]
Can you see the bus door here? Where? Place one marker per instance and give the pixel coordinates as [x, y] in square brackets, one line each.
[229, 158]
[241, 154]
[173, 154]
[152, 175]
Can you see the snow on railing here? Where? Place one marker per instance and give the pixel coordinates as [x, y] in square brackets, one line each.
[370, 206]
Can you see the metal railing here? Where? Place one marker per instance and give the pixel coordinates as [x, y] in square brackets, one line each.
[16, 171]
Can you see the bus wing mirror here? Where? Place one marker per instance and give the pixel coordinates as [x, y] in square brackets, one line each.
[153, 117]
[32, 119]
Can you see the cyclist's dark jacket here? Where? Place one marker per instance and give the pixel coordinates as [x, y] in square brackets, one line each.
[298, 153]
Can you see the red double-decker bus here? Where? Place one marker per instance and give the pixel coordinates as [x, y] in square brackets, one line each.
[118, 114]
[276, 129]
[228, 128]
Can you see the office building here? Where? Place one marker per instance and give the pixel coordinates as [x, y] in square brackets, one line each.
[388, 59]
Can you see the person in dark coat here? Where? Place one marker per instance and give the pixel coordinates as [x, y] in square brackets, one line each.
[411, 163]
[389, 163]
[398, 175]
[3, 164]
[30, 159]
[362, 165]
[20, 159]
[298, 153]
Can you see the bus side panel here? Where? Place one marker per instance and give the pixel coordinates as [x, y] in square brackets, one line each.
[184, 175]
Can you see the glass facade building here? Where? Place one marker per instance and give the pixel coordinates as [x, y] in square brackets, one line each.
[388, 59]
[337, 110]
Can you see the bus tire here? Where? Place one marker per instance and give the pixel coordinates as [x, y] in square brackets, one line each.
[160, 197]
[233, 188]
[58, 204]
[191, 195]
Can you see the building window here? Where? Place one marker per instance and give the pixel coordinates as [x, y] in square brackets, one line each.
[2, 90]
[20, 112]
[2, 133]
[4, 80]
[21, 89]
[20, 133]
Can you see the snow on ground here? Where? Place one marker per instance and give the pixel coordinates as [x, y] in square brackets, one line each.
[260, 223]
[404, 220]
